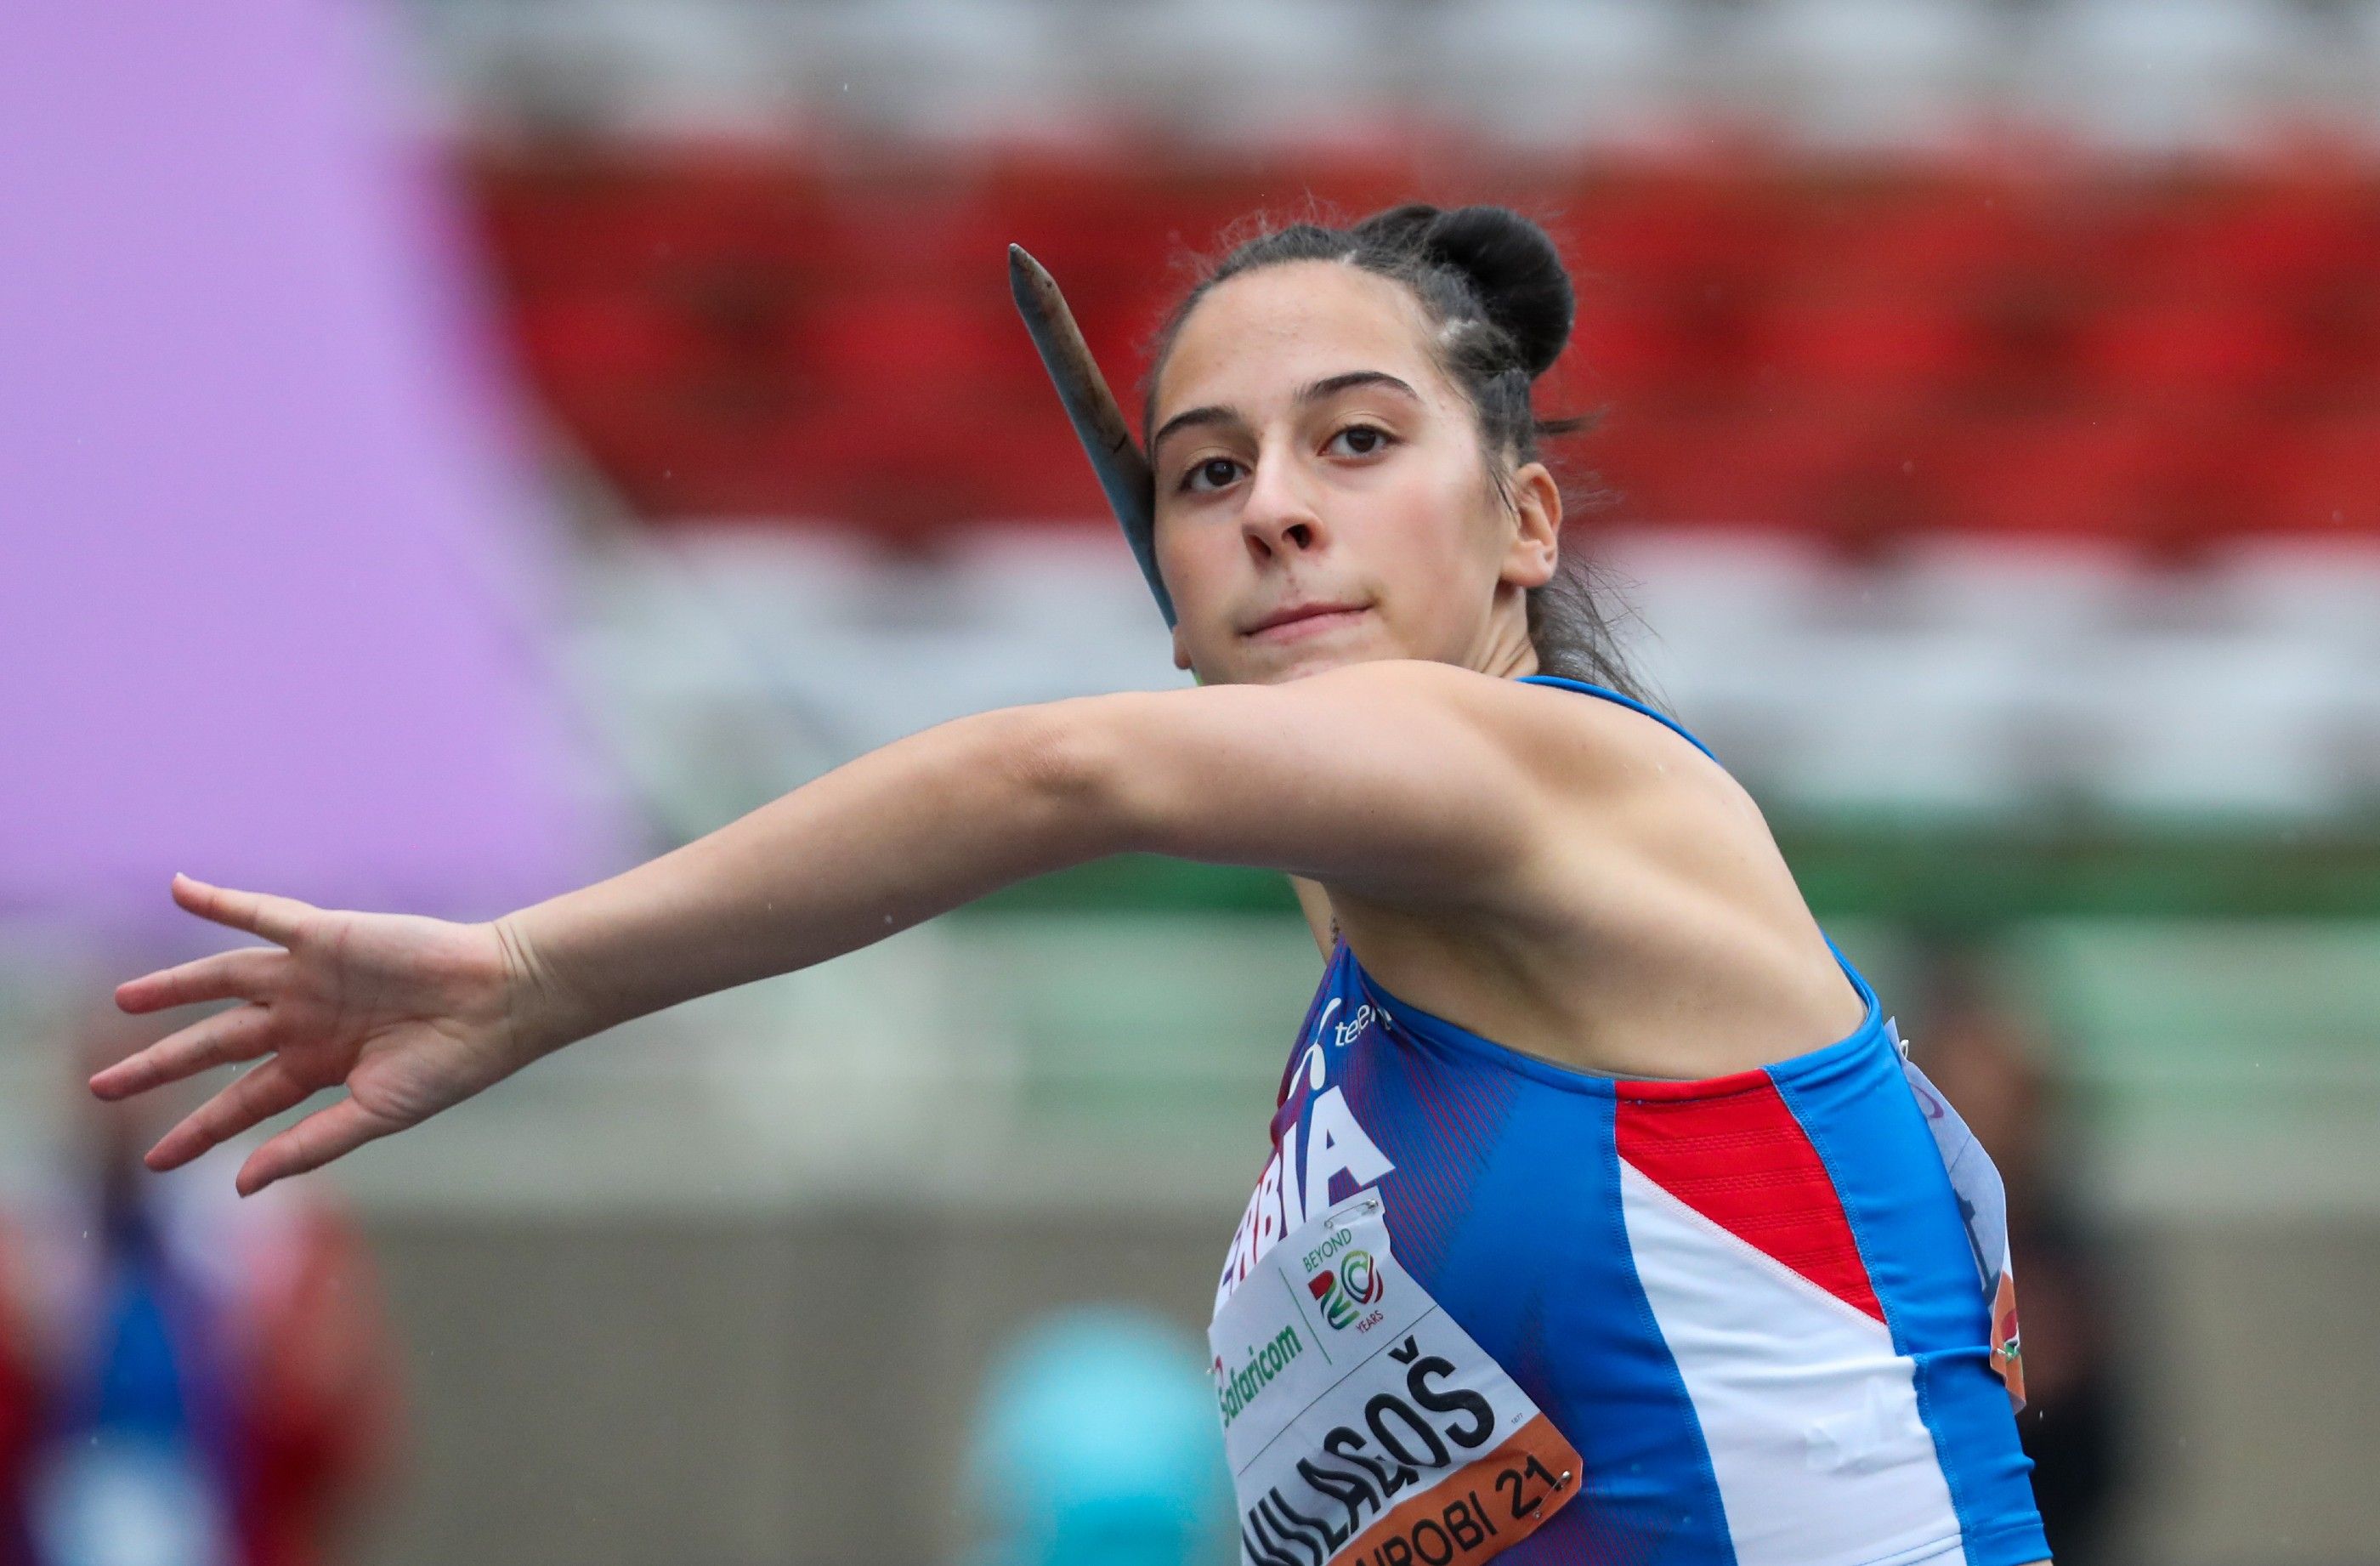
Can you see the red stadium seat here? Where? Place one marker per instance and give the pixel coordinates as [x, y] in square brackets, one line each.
[2067, 471]
[2186, 349]
[1878, 346]
[2319, 479]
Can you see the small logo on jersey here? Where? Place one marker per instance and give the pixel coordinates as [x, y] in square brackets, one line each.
[1345, 1290]
[1234, 1389]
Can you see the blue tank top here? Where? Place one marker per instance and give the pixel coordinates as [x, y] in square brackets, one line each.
[1772, 1310]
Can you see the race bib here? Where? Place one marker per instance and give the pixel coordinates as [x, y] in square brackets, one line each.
[1362, 1426]
[1983, 1208]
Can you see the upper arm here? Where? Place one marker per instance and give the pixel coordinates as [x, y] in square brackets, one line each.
[1408, 781]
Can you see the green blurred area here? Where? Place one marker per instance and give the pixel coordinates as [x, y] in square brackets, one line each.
[1925, 872]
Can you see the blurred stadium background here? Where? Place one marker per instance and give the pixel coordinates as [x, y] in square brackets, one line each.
[456, 448]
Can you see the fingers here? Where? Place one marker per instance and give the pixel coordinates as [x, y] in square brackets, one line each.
[259, 912]
[238, 1035]
[311, 1143]
[260, 1095]
[241, 974]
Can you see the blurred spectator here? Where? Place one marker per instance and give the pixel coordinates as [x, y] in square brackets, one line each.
[186, 1378]
[1097, 1444]
[1996, 1068]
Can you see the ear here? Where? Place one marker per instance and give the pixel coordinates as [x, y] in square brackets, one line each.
[1181, 649]
[1535, 546]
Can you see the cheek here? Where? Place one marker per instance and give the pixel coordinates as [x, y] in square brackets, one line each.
[1198, 565]
[1185, 558]
[1442, 538]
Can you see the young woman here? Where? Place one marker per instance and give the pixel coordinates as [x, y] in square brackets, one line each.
[1603, 1222]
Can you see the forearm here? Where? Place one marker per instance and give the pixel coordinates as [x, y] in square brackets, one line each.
[913, 830]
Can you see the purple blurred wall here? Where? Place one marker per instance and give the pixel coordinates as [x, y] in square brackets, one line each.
[275, 579]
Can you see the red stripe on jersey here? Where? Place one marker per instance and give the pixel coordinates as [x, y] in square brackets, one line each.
[1733, 1152]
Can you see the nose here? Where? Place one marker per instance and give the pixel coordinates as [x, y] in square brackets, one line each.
[1279, 519]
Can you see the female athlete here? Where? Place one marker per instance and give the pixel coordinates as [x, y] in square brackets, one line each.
[1603, 1221]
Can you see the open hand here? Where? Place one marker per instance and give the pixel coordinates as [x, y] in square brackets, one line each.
[411, 1014]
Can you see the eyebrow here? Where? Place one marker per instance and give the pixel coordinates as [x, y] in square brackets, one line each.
[1328, 386]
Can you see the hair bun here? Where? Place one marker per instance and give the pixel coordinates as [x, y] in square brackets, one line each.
[1519, 273]
[1520, 277]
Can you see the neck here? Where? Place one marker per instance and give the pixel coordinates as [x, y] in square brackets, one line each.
[1508, 651]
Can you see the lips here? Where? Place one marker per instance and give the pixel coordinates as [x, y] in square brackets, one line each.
[1295, 612]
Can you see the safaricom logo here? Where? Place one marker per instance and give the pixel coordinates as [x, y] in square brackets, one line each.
[1236, 1390]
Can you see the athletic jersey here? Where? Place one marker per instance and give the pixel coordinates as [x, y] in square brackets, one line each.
[1762, 1308]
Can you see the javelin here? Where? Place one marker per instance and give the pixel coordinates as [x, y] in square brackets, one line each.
[1098, 421]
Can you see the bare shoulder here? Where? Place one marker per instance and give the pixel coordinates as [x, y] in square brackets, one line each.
[1710, 959]
[1651, 805]
[1654, 926]
[1580, 748]
[1423, 784]
[1579, 740]
[1598, 777]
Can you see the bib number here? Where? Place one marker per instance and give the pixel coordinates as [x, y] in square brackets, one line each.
[1363, 1425]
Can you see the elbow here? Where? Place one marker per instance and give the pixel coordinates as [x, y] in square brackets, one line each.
[1063, 760]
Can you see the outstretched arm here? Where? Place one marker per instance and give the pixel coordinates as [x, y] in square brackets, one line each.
[1387, 778]
[1406, 781]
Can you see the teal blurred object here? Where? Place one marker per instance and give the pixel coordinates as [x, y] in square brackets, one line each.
[1097, 1441]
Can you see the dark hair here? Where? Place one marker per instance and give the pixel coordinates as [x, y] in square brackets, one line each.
[1494, 285]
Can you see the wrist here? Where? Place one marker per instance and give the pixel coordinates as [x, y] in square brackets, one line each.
[542, 1012]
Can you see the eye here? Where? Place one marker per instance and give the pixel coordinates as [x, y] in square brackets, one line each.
[1362, 440]
[1205, 478]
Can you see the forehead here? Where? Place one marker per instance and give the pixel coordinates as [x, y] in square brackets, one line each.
[1253, 340]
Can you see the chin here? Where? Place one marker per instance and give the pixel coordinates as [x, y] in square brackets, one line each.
[1296, 663]
[1249, 660]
